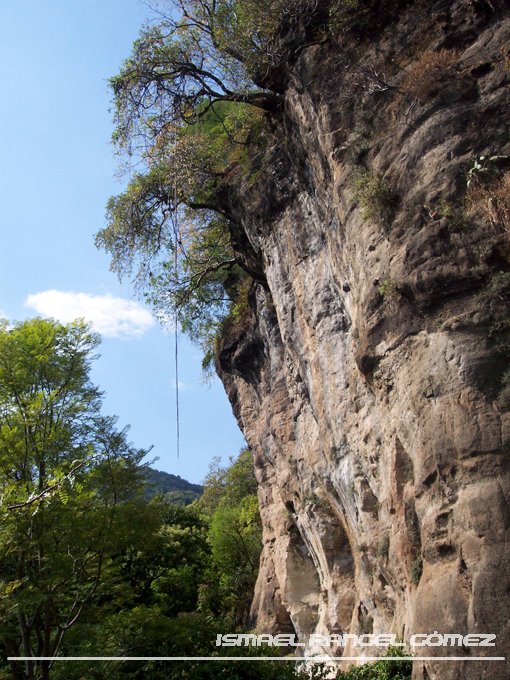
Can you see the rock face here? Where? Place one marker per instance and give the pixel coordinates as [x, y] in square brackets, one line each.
[368, 376]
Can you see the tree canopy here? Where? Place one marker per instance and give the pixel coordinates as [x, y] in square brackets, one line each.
[65, 471]
[187, 101]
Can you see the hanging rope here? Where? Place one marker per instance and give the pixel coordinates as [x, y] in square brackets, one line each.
[176, 324]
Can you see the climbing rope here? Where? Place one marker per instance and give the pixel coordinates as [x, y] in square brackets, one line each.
[175, 226]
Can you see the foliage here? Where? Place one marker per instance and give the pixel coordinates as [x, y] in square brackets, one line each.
[91, 568]
[178, 589]
[416, 570]
[168, 568]
[360, 142]
[228, 485]
[187, 102]
[66, 475]
[235, 536]
[376, 199]
[483, 169]
[455, 215]
[489, 194]
[497, 291]
[185, 105]
[166, 230]
[381, 670]
[504, 394]
[341, 14]
[172, 487]
[388, 288]
[422, 79]
[203, 51]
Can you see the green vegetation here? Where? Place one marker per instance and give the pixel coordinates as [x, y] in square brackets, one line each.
[188, 102]
[88, 566]
[230, 504]
[497, 290]
[381, 670]
[484, 169]
[504, 393]
[388, 288]
[416, 570]
[340, 14]
[455, 214]
[66, 475]
[173, 488]
[376, 199]
[360, 142]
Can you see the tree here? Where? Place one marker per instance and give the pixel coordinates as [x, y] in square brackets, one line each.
[66, 475]
[169, 567]
[187, 103]
[235, 535]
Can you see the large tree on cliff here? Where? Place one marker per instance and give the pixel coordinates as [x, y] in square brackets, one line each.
[186, 102]
[64, 473]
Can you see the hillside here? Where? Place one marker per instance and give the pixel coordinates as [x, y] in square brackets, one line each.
[172, 487]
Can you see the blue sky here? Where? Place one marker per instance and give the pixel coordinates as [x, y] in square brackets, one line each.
[57, 171]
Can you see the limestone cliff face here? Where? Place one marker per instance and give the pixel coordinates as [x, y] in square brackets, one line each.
[368, 376]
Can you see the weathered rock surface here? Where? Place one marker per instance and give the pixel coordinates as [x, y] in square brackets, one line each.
[367, 378]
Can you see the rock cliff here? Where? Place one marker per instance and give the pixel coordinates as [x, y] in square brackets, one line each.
[370, 373]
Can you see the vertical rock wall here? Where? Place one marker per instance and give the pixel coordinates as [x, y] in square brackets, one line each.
[367, 378]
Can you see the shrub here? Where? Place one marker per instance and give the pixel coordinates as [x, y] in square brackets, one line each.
[340, 13]
[504, 394]
[491, 199]
[455, 215]
[388, 288]
[359, 143]
[394, 669]
[422, 80]
[375, 197]
[416, 570]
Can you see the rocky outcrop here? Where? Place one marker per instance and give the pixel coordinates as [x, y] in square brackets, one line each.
[368, 377]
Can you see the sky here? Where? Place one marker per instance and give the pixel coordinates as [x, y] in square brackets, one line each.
[57, 171]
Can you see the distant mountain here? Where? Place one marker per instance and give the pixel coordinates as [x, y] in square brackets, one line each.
[172, 487]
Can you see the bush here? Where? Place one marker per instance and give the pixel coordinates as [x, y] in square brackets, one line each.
[504, 394]
[388, 289]
[491, 199]
[378, 202]
[416, 570]
[381, 670]
[422, 79]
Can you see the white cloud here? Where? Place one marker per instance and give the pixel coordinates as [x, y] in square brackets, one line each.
[111, 316]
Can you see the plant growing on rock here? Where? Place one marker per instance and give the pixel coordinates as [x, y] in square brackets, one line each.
[422, 79]
[416, 570]
[489, 195]
[375, 197]
[388, 288]
[483, 169]
[504, 394]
